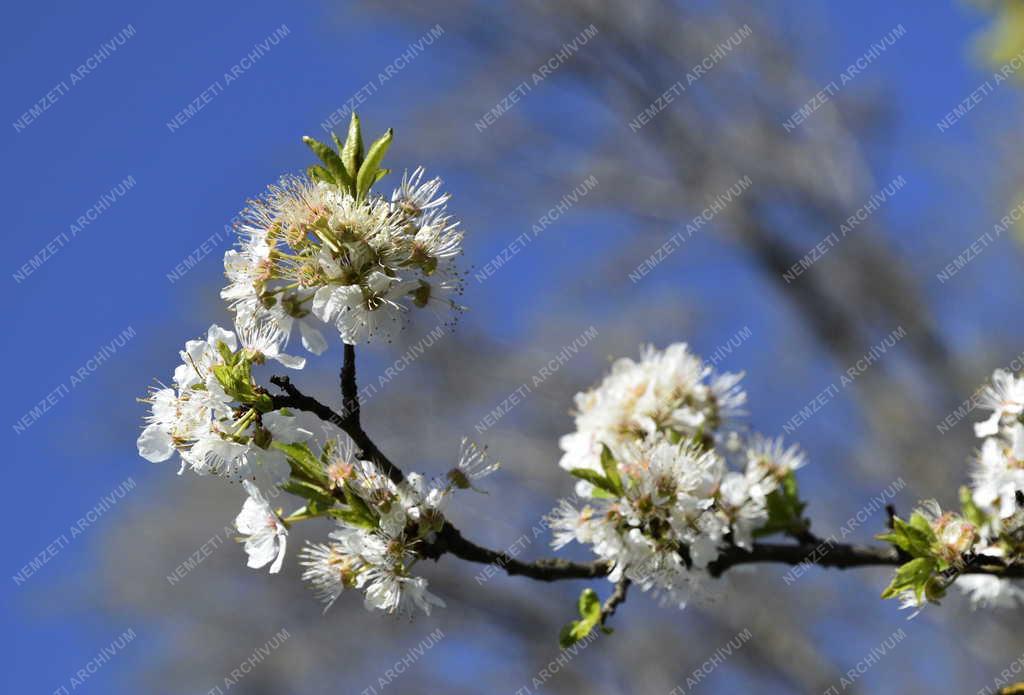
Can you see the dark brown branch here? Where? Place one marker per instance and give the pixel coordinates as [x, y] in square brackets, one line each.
[617, 598]
[450, 540]
[807, 551]
[349, 389]
[823, 554]
[347, 422]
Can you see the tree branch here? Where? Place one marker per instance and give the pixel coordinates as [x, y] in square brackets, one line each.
[617, 598]
[451, 540]
[348, 422]
[808, 550]
[349, 389]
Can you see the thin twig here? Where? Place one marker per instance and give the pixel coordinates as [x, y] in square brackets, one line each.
[617, 598]
[348, 424]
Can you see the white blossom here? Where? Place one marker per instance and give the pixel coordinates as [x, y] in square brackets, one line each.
[266, 535]
[669, 392]
[1004, 397]
[311, 251]
[991, 592]
[668, 505]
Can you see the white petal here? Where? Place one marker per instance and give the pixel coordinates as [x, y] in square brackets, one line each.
[988, 427]
[323, 305]
[260, 548]
[312, 339]
[291, 361]
[155, 444]
[216, 333]
[283, 541]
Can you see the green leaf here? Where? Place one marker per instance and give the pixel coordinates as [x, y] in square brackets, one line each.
[314, 493]
[226, 354]
[567, 635]
[595, 479]
[352, 151]
[589, 607]
[919, 522]
[262, 402]
[785, 509]
[912, 576]
[304, 464]
[340, 146]
[352, 517]
[230, 378]
[330, 159]
[970, 510]
[225, 375]
[236, 379]
[328, 449]
[611, 470]
[915, 538]
[370, 166]
[318, 173]
[358, 506]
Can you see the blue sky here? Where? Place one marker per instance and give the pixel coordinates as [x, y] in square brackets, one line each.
[111, 276]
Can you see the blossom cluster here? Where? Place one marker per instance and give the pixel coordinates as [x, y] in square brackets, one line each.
[323, 248]
[218, 422]
[198, 418]
[319, 248]
[652, 449]
[997, 482]
[377, 539]
[943, 545]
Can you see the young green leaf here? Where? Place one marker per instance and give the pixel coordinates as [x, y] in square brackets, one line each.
[589, 607]
[226, 354]
[330, 159]
[304, 464]
[313, 493]
[785, 509]
[352, 151]
[358, 506]
[371, 165]
[912, 576]
[236, 380]
[340, 147]
[329, 446]
[567, 635]
[595, 479]
[352, 517]
[611, 470]
[318, 173]
[915, 538]
[921, 523]
[970, 510]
